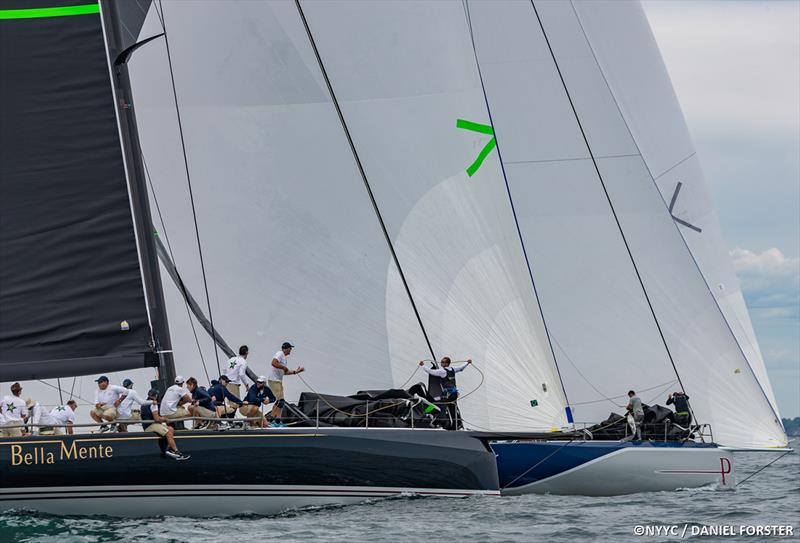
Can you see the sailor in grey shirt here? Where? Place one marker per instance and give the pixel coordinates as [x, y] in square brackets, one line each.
[635, 408]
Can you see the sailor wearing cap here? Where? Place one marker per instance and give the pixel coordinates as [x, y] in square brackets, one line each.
[106, 401]
[129, 409]
[152, 421]
[14, 412]
[258, 394]
[277, 370]
[40, 420]
[174, 398]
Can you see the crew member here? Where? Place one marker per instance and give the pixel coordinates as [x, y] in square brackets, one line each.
[447, 374]
[219, 393]
[106, 401]
[202, 405]
[14, 412]
[636, 411]
[39, 419]
[129, 408]
[64, 415]
[174, 399]
[258, 394]
[153, 421]
[237, 371]
[277, 370]
[683, 413]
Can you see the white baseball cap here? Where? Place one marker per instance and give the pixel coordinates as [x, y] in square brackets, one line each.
[179, 380]
[261, 379]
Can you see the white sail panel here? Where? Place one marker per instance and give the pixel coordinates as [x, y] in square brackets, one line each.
[403, 74]
[631, 62]
[291, 246]
[595, 310]
[705, 352]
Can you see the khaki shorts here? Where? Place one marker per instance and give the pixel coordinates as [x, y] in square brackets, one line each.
[10, 432]
[108, 413]
[158, 428]
[230, 406]
[200, 411]
[277, 389]
[50, 431]
[179, 414]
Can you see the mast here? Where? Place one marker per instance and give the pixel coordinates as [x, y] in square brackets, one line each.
[143, 222]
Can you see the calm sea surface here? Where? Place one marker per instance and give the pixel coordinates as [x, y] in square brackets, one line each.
[771, 497]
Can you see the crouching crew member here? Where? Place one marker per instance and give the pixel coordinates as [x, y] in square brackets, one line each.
[258, 394]
[202, 405]
[683, 413]
[39, 419]
[153, 421]
[130, 407]
[64, 415]
[219, 393]
[106, 401]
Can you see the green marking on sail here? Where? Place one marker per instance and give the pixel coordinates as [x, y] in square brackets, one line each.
[482, 129]
[39, 13]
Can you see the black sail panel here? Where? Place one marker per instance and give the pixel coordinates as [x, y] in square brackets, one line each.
[71, 292]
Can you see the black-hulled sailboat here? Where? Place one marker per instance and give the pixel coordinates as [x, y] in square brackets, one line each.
[81, 293]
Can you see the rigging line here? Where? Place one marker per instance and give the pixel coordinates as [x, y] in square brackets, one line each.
[685, 243]
[72, 389]
[172, 256]
[511, 201]
[189, 183]
[608, 196]
[59, 390]
[363, 175]
[660, 385]
[575, 366]
[762, 468]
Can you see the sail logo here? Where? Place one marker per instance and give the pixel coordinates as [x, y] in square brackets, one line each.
[481, 129]
[22, 455]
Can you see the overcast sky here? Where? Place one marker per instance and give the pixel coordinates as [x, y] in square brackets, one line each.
[735, 66]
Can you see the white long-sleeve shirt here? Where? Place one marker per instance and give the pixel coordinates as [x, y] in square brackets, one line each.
[129, 403]
[40, 416]
[237, 370]
[440, 372]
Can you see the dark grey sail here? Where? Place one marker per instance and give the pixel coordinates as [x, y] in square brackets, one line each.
[71, 292]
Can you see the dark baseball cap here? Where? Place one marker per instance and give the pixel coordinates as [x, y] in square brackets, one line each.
[225, 378]
[127, 383]
[101, 379]
[152, 393]
[286, 345]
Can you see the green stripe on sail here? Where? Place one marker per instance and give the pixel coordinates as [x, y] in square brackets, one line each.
[475, 127]
[39, 13]
[483, 129]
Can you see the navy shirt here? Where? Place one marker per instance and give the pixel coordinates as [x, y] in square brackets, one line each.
[256, 396]
[203, 398]
[220, 392]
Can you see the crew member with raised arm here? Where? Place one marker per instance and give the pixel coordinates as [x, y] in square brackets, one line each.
[130, 407]
[219, 393]
[683, 413]
[64, 415]
[236, 371]
[14, 412]
[106, 401]
[258, 394]
[153, 421]
[202, 405]
[277, 370]
[447, 374]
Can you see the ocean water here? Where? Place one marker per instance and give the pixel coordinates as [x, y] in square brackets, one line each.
[770, 498]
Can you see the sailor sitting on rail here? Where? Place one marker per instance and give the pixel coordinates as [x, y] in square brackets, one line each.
[258, 394]
[39, 419]
[447, 374]
[64, 415]
[174, 399]
[152, 421]
[106, 401]
[219, 393]
[202, 405]
[129, 408]
[13, 412]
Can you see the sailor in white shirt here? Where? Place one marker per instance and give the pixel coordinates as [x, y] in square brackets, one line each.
[130, 406]
[64, 414]
[39, 419]
[174, 398]
[279, 368]
[14, 412]
[447, 376]
[236, 372]
[106, 402]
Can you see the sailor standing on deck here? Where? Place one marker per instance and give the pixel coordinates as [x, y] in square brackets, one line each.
[448, 376]
[277, 370]
[683, 413]
[636, 410]
[14, 412]
[106, 401]
[237, 371]
[64, 415]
